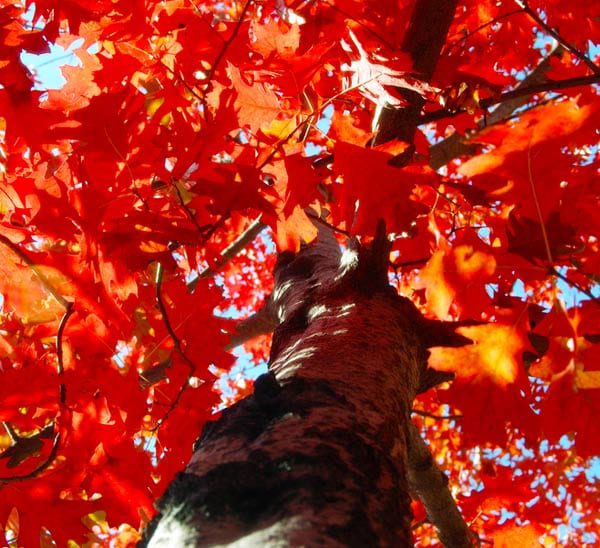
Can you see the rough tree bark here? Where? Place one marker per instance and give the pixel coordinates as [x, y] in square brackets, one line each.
[318, 455]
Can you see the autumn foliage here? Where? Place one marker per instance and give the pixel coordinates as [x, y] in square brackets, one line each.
[184, 122]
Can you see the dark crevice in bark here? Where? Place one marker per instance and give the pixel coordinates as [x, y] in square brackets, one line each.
[342, 463]
[318, 454]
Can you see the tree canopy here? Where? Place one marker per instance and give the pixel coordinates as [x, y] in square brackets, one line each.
[142, 204]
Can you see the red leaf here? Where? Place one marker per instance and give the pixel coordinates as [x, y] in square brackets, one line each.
[372, 189]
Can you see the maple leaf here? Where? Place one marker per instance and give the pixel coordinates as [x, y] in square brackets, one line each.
[255, 104]
[293, 230]
[25, 290]
[518, 169]
[373, 189]
[80, 86]
[457, 274]
[518, 535]
[373, 79]
[491, 386]
[275, 38]
[494, 355]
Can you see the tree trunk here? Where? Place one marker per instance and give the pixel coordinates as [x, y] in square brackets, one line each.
[317, 455]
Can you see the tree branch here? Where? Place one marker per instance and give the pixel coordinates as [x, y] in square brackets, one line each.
[425, 36]
[59, 350]
[454, 146]
[549, 30]
[535, 77]
[255, 228]
[262, 322]
[426, 414]
[550, 85]
[431, 486]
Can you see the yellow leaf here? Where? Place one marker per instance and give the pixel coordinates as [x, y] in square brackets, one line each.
[587, 380]
[523, 536]
[495, 354]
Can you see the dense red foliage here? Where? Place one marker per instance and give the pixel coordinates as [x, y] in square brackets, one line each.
[183, 122]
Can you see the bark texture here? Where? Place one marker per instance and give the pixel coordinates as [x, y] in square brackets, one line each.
[423, 41]
[317, 455]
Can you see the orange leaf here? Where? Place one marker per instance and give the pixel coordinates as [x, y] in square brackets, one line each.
[458, 274]
[494, 355]
[25, 293]
[255, 104]
[276, 37]
[523, 536]
[517, 170]
[296, 228]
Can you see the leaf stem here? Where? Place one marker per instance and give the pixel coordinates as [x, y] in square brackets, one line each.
[59, 350]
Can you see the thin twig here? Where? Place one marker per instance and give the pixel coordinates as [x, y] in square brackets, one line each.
[176, 344]
[549, 30]
[255, 228]
[59, 350]
[180, 79]
[40, 275]
[221, 54]
[62, 395]
[464, 38]
[201, 229]
[578, 287]
[434, 416]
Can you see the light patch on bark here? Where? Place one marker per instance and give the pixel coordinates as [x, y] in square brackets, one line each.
[317, 456]
[172, 532]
